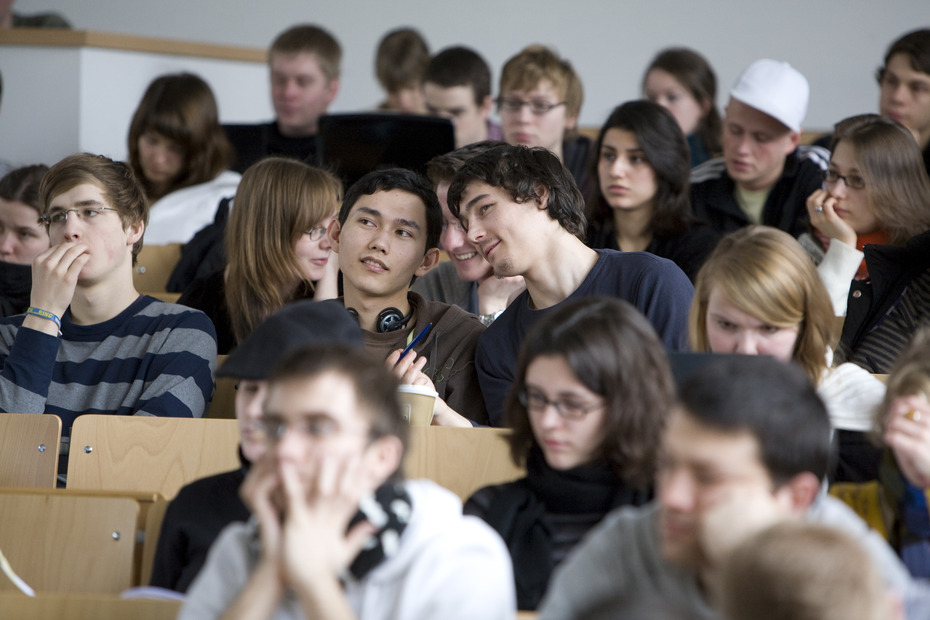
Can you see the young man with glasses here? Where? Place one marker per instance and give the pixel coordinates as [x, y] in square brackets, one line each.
[201, 509]
[89, 342]
[336, 531]
[764, 176]
[524, 214]
[540, 99]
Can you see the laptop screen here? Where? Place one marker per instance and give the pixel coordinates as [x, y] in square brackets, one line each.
[354, 144]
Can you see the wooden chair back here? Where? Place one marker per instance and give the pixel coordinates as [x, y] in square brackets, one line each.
[154, 266]
[29, 445]
[68, 543]
[153, 520]
[139, 453]
[460, 459]
[171, 298]
[85, 607]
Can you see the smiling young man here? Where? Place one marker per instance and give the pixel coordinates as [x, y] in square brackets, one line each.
[304, 64]
[336, 532]
[905, 86]
[764, 176]
[522, 211]
[466, 279]
[746, 447]
[386, 235]
[457, 86]
[89, 342]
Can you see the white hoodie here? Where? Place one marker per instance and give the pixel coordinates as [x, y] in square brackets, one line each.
[448, 566]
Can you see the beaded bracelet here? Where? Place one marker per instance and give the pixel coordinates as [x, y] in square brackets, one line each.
[45, 314]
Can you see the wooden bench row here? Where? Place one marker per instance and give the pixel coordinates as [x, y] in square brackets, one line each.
[100, 533]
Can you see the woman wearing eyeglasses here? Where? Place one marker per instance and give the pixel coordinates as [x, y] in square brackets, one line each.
[875, 192]
[587, 406]
[276, 246]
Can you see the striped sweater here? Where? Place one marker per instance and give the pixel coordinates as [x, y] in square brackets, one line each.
[153, 358]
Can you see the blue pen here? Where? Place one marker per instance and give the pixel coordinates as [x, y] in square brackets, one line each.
[414, 342]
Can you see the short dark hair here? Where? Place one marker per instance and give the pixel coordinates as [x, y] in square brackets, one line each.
[120, 186]
[916, 46]
[401, 60]
[375, 386]
[22, 185]
[614, 352]
[772, 400]
[405, 181]
[460, 66]
[666, 150]
[310, 39]
[521, 170]
[444, 167]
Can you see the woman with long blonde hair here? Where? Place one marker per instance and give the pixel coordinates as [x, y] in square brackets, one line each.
[276, 246]
[760, 294]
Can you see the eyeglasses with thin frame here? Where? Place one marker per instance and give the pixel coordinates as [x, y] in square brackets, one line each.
[852, 181]
[57, 217]
[316, 233]
[536, 402]
[319, 426]
[537, 107]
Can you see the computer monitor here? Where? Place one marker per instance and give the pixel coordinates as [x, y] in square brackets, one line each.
[354, 144]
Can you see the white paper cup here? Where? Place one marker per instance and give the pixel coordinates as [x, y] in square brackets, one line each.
[416, 403]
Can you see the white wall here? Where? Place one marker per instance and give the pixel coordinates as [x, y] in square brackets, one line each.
[61, 100]
[837, 44]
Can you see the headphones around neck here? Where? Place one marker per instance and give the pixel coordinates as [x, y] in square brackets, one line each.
[389, 319]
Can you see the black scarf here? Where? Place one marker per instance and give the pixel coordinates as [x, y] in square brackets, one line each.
[388, 509]
[518, 513]
[15, 288]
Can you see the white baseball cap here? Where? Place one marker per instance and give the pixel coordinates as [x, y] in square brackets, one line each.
[775, 88]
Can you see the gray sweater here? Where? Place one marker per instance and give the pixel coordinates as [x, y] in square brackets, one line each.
[619, 568]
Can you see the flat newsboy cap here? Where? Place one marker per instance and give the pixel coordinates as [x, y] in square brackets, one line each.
[293, 327]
